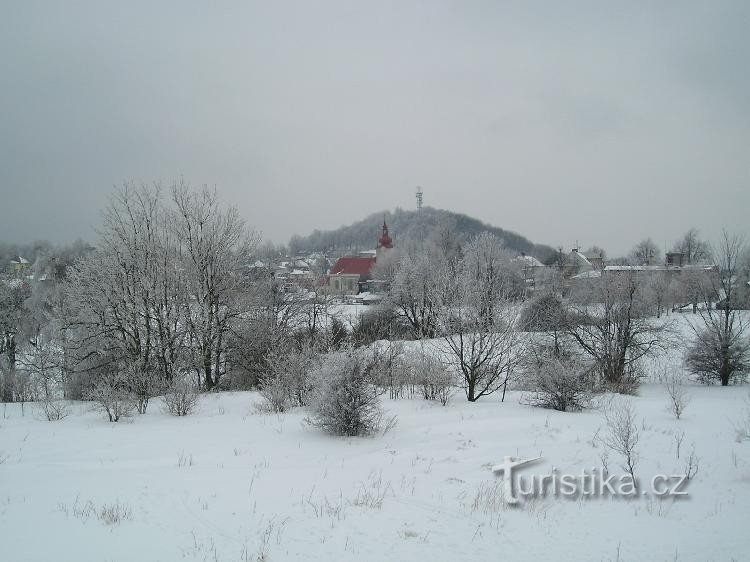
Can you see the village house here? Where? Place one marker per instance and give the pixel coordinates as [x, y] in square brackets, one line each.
[20, 266]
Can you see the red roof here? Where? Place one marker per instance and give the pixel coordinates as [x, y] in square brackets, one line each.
[359, 266]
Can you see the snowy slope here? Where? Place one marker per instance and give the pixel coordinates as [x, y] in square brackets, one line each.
[251, 479]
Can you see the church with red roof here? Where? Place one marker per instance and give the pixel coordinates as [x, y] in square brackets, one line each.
[348, 273]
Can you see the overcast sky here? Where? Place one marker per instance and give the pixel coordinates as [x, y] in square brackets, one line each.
[562, 121]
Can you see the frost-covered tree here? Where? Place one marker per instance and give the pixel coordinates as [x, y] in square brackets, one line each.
[720, 350]
[159, 293]
[478, 316]
[122, 301]
[693, 247]
[13, 322]
[645, 252]
[657, 292]
[611, 324]
[214, 246]
[345, 400]
[413, 292]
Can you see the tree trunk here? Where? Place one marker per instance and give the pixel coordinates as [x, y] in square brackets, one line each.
[207, 372]
[724, 373]
[470, 390]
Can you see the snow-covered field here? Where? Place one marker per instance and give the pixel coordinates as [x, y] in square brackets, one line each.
[229, 483]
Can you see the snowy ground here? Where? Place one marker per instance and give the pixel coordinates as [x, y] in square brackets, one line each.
[229, 484]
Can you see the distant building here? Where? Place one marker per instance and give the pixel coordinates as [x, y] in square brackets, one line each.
[347, 274]
[350, 274]
[676, 259]
[20, 266]
[576, 263]
[595, 259]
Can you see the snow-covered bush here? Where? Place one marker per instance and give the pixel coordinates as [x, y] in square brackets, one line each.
[718, 354]
[181, 398]
[559, 383]
[379, 323]
[113, 396]
[389, 369]
[410, 373]
[543, 313]
[287, 382]
[275, 393]
[345, 400]
[337, 333]
[52, 410]
[435, 380]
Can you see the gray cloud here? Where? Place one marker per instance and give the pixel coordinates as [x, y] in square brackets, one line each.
[563, 121]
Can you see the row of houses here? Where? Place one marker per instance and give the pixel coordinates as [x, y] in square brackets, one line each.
[350, 277]
[354, 277]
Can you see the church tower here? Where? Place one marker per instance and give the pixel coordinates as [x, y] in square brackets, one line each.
[385, 243]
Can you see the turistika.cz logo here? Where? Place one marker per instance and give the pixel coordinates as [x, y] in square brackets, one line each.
[592, 483]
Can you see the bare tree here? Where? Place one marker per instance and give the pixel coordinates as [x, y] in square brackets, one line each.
[657, 291]
[720, 349]
[214, 246]
[622, 434]
[13, 314]
[694, 249]
[611, 325]
[694, 286]
[123, 301]
[413, 293]
[478, 317]
[645, 252]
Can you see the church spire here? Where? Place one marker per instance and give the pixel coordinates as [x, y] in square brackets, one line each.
[385, 240]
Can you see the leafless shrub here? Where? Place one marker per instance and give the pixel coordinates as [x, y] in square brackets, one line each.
[390, 424]
[372, 493]
[691, 464]
[604, 458]
[109, 514]
[53, 410]
[114, 514]
[560, 383]
[286, 383]
[275, 394]
[678, 395]
[78, 510]
[391, 369]
[678, 439]
[437, 382]
[622, 434]
[489, 498]
[323, 507]
[113, 397]
[181, 398]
